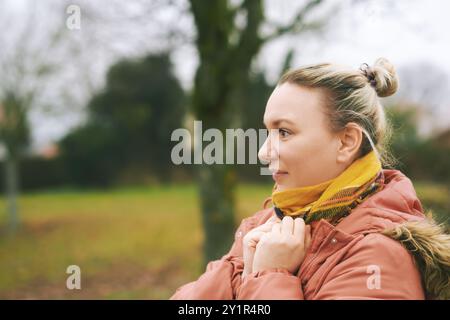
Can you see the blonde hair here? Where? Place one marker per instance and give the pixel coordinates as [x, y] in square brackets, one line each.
[353, 96]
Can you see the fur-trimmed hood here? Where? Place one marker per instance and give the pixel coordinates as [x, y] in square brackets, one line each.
[429, 244]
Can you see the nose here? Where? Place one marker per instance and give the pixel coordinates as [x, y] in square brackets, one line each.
[263, 153]
[267, 152]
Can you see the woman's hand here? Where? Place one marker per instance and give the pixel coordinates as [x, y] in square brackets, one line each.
[250, 241]
[284, 246]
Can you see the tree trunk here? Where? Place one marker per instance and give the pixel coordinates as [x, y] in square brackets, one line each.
[217, 184]
[11, 185]
[222, 71]
[225, 53]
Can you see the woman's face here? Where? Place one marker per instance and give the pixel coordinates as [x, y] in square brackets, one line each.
[300, 148]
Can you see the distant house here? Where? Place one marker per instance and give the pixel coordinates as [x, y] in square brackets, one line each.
[49, 152]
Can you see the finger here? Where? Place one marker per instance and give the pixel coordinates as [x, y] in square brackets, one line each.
[264, 237]
[266, 226]
[287, 225]
[255, 239]
[299, 228]
[274, 218]
[276, 228]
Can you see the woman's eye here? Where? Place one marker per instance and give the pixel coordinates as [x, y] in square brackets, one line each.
[283, 132]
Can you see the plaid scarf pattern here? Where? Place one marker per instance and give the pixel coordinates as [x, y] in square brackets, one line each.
[332, 200]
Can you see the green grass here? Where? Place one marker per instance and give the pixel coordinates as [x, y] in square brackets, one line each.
[130, 243]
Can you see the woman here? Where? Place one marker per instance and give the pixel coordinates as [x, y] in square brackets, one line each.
[340, 227]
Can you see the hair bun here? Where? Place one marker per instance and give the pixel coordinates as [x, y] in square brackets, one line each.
[382, 76]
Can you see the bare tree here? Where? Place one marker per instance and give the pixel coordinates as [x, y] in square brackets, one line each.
[31, 53]
[48, 69]
[226, 50]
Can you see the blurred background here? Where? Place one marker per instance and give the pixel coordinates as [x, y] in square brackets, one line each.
[90, 92]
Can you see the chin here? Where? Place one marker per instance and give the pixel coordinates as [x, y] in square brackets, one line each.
[282, 187]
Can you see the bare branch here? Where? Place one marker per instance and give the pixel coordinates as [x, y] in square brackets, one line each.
[298, 23]
[249, 41]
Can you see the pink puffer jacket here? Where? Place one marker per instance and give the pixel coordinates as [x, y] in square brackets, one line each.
[350, 261]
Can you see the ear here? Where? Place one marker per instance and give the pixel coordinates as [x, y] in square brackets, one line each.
[350, 141]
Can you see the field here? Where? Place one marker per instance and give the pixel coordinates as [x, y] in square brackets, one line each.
[130, 243]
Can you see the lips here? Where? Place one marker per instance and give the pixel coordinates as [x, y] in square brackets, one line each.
[278, 174]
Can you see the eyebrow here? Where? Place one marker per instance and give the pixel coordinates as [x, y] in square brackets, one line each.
[278, 121]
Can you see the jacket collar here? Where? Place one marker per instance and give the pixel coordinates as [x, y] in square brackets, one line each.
[395, 204]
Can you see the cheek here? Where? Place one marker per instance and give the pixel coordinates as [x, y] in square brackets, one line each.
[300, 147]
[308, 153]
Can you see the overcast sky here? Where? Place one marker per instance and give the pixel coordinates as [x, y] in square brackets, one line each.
[407, 32]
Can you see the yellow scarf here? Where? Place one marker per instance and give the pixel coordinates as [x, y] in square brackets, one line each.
[333, 199]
